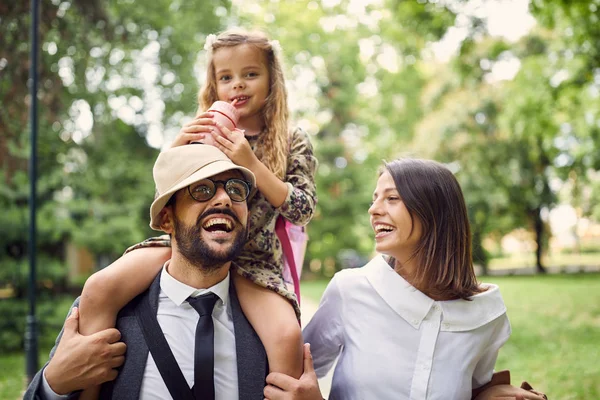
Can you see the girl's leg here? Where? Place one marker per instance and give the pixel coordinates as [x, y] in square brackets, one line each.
[274, 320]
[110, 289]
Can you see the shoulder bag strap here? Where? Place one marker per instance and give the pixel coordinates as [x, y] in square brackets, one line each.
[161, 352]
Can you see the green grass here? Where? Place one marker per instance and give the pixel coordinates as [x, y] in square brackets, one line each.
[555, 341]
[552, 260]
[12, 366]
[12, 380]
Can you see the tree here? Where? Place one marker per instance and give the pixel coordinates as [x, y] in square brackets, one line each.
[113, 78]
[359, 65]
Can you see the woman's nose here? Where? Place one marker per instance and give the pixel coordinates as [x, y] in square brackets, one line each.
[374, 208]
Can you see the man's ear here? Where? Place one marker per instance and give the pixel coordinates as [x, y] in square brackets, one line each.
[167, 219]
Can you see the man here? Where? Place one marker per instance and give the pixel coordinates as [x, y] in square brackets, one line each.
[201, 203]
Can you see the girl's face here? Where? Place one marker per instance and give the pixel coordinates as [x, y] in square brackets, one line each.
[241, 73]
[395, 234]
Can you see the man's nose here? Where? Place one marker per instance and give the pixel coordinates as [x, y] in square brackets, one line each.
[221, 197]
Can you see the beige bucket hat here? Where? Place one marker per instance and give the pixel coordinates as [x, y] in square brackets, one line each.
[181, 166]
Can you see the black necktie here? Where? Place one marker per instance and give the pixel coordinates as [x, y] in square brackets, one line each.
[204, 353]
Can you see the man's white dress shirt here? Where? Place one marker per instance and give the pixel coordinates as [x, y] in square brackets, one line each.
[394, 342]
[178, 321]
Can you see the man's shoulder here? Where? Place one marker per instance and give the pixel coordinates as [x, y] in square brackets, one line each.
[130, 308]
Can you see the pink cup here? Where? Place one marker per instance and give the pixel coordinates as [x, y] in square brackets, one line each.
[225, 114]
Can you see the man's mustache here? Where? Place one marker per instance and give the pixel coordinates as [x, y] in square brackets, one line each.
[226, 211]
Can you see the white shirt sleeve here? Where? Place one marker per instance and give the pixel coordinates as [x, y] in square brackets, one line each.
[47, 392]
[324, 332]
[485, 367]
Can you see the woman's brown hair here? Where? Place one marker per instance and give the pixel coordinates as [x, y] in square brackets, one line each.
[443, 256]
[272, 148]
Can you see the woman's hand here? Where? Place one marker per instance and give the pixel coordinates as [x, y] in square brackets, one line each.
[508, 392]
[197, 130]
[284, 387]
[235, 146]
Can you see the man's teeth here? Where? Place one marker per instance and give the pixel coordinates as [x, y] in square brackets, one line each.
[383, 228]
[225, 223]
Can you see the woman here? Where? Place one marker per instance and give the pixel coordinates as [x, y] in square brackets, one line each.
[414, 323]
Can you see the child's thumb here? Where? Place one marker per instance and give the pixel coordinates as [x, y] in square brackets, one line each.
[308, 360]
[72, 323]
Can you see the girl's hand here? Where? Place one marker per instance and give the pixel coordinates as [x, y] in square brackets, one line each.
[195, 130]
[235, 146]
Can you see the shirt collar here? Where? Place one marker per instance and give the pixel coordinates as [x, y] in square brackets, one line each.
[413, 306]
[178, 291]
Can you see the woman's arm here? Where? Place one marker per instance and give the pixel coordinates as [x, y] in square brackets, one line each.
[325, 331]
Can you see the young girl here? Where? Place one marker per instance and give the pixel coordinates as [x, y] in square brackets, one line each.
[413, 323]
[244, 67]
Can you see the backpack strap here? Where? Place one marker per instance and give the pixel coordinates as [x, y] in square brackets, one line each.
[284, 238]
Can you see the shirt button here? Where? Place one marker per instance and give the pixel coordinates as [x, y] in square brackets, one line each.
[414, 322]
[446, 326]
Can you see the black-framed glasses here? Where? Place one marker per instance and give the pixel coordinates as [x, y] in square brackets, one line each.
[238, 190]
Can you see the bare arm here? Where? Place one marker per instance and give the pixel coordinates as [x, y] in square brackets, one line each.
[274, 320]
[110, 289]
[284, 387]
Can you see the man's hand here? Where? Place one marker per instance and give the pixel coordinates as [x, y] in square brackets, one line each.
[83, 361]
[507, 392]
[284, 387]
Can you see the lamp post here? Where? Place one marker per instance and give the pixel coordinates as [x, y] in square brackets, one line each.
[31, 344]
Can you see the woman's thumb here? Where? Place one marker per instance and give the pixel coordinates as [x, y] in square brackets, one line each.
[308, 360]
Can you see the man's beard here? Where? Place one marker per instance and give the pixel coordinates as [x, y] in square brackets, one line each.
[197, 252]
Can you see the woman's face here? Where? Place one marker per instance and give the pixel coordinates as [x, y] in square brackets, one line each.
[396, 234]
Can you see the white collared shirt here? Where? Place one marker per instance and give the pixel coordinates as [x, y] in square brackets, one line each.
[394, 342]
[178, 322]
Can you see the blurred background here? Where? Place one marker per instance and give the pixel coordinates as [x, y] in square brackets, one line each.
[505, 92]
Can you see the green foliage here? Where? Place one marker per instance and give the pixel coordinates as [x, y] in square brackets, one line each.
[51, 315]
[520, 146]
[361, 81]
[368, 85]
[102, 68]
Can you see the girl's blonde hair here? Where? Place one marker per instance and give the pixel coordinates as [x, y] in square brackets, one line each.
[272, 148]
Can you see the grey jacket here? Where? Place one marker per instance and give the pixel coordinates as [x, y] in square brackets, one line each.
[251, 357]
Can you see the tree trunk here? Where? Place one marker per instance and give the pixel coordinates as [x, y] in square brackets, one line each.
[539, 240]
[480, 256]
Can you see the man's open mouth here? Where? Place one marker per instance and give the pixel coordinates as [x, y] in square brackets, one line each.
[218, 224]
